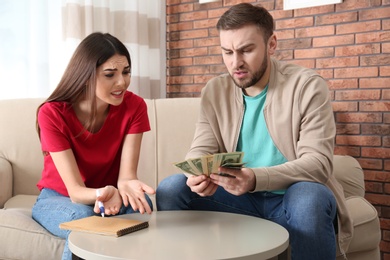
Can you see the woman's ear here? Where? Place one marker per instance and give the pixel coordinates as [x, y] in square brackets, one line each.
[272, 44]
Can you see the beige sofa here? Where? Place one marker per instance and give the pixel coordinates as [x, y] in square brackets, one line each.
[172, 123]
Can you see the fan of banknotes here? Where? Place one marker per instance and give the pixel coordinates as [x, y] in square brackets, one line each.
[210, 163]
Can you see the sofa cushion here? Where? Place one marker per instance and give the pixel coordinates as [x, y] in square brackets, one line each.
[21, 202]
[21, 236]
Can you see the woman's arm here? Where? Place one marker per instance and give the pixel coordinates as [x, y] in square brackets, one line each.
[130, 157]
[66, 165]
[130, 188]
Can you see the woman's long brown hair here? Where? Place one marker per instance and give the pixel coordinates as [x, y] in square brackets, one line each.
[79, 79]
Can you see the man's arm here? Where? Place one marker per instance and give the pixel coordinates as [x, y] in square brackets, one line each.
[310, 150]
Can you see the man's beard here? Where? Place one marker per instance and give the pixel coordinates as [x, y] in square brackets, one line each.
[256, 76]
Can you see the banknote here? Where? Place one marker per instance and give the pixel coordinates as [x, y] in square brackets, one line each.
[210, 163]
[196, 164]
[226, 159]
[186, 167]
[233, 165]
[207, 164]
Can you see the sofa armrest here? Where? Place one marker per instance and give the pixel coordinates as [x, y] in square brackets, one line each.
[5, 181]
[349, 174]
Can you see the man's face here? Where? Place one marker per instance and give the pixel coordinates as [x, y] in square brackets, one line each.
[245, 54]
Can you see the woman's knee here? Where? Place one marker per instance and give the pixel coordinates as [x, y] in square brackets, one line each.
[149, 201]
[61, 208]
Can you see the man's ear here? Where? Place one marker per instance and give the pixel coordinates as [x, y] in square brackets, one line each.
[272, 44]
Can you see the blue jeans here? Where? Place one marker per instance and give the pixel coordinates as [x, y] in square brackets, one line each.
[307, 210]
[52, 208]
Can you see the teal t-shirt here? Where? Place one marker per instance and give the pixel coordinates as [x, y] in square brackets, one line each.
[254, 139]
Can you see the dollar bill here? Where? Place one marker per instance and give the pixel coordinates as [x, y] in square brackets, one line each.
[233, 165]
[207, 164]
[185, 167]
[226, 159]
[210, 163]
[196, 164]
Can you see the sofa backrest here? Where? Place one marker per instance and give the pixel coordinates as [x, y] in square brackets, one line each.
[173, 126]
[19, 144]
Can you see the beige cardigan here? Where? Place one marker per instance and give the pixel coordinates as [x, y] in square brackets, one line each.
[300, 121]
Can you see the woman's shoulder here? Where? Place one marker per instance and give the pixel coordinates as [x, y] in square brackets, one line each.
[54, 111]
[130, 105]
[55, 107]
[133, 100]
[131, 96]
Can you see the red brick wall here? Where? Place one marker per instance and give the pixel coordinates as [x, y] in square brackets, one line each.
[348, 44]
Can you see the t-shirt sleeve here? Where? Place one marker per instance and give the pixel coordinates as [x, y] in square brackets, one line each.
[52, 129]
[140, 120]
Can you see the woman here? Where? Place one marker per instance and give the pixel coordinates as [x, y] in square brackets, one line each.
[90, 130]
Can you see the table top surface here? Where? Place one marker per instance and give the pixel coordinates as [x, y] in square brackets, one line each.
[187, 235]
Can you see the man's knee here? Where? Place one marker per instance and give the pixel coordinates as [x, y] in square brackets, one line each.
[309, 189]
[170, 187]
[309, 197]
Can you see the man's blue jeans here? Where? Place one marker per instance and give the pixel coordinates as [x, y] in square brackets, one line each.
[307, 210]
[52, 208]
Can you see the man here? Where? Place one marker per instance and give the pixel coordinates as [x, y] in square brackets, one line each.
[281, 117]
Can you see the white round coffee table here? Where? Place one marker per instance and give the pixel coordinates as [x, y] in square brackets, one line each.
[187, 235]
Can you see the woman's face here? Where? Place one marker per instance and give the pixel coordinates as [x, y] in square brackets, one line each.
[112, 80]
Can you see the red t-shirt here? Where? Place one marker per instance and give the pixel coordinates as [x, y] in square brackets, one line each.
[98, 155]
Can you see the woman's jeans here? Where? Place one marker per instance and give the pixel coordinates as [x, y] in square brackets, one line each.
[52, 208]
[307, 210]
